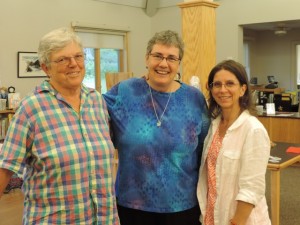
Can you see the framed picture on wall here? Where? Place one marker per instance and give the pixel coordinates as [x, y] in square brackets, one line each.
[29, 65]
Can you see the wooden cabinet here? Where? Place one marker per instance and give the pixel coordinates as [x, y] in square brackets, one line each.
[282, 129]
[5, 117]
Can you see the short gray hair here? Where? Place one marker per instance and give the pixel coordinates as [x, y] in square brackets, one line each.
[169, 38]
[54, 41]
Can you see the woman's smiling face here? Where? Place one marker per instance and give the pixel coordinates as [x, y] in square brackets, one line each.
[70, 75]
[162, 72]
[227, 90]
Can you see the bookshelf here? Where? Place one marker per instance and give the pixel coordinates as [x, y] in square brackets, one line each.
[5, 118]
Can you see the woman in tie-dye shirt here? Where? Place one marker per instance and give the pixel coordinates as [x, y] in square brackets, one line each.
[159, 125]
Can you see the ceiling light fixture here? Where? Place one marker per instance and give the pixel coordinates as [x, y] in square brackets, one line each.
[280, 32]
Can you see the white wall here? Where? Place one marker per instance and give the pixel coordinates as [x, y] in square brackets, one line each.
[24, 22]
[271, 56]
[232, 13]
[167, 19]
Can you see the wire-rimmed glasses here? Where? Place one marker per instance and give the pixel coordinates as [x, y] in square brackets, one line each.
[79, 58]
[159, 58]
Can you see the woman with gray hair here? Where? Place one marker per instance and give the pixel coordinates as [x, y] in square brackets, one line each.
[159, 125]
[60, 134]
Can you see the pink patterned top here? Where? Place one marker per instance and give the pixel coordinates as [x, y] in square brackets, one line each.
[211, 161]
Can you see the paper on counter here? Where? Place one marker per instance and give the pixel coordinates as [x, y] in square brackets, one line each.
[274, 159]
[293, 149]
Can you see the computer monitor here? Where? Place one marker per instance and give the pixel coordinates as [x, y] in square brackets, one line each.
[271, 79]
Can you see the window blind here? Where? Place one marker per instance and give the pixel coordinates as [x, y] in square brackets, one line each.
[97, 36]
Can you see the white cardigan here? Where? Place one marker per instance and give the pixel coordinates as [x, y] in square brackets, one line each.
[240, 170]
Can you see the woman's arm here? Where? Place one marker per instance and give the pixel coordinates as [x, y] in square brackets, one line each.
[255, 155]
[242, 213]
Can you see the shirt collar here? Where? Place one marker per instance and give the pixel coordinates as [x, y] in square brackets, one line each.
[46, 87]
[239, 121]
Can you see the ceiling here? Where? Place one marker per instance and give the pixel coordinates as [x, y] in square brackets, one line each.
[143, 3]
[287, 25]
[151, 7]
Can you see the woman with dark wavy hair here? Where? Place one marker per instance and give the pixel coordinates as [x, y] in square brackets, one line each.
[231, 187]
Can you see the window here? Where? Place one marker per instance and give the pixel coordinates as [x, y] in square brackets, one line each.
[105, 51]
[109, 62]
[89, 79]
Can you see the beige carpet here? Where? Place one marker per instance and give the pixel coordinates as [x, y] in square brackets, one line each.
[11, 204]
[289, 195]
[11, 208]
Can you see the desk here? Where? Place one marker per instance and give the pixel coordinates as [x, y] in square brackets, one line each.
[287, 159]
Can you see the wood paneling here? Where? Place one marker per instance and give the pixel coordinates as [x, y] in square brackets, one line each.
[281, 129]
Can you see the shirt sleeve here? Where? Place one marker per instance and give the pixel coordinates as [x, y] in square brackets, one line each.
[204, 127]
[110, 97]
[17, 140]
[254, 160]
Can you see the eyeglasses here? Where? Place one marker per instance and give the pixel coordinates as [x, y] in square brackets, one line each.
[218, 84]
[79, 58]
[160, 58]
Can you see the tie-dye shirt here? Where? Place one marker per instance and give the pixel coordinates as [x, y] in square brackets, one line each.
[158, 166]
[67, 156]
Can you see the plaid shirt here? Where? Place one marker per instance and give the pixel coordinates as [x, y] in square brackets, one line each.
[67, 156]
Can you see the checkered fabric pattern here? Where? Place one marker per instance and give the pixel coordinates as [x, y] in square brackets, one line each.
[68, 159]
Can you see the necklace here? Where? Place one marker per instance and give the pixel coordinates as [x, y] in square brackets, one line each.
[159, 120]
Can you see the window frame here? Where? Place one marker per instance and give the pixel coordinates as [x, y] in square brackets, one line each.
[294, 58]
[98, 29]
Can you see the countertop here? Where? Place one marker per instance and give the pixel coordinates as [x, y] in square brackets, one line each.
[293, 115]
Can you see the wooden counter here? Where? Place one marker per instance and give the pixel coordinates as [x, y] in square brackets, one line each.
[282, 127]
[263, 89]
[287, 159]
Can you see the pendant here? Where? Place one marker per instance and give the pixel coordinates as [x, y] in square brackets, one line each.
[158, 123]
